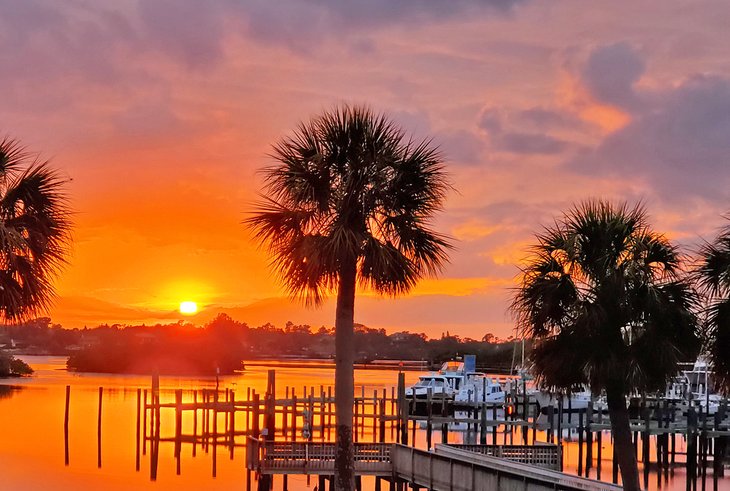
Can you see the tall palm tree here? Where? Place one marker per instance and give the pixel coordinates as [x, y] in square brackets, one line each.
[605, 298]
[348, 202]
[713, 275]
[34, 231]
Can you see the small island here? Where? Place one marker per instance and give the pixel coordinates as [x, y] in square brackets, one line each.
[222, 345]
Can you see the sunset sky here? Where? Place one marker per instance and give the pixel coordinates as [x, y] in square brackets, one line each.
[160, 112]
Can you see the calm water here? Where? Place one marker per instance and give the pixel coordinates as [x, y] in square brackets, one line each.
[32, 445]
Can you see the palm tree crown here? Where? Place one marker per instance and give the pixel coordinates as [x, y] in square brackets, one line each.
[34, 231]
[349, 186]
[713, 275]
[606, 297]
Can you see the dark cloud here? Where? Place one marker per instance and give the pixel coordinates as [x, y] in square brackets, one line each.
[503, 129]
[461, 147]
[680, 145]
[189, 31]
[491, 121]
[543, 118]
[611, 72]
[530, 143]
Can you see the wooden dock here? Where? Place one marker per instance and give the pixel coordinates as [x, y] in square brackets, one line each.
[293, 433]
[447, 467]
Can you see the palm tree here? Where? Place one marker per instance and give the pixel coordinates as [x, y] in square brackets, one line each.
[713, 275]
[606, 301]
[347, 203]
[34, 231]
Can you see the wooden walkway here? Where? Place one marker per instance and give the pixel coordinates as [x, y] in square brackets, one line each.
[455, 469]
[446, 468]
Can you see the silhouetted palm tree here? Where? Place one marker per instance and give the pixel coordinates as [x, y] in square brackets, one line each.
[348, 203]
[605, 298]
[34, 231]
[713, 277]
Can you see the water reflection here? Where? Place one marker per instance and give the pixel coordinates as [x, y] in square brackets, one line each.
[7, 391]
[125, 447]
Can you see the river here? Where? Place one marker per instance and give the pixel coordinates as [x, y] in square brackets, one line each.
[32, 452]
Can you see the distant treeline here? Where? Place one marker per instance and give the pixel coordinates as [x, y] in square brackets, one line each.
[223, 343]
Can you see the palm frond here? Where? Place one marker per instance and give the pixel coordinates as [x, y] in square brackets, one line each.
[602, 277]
[34, 232]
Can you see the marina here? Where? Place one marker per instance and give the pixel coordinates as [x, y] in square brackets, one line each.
[293, 435]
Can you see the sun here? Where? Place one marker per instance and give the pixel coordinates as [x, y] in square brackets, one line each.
[188, 308]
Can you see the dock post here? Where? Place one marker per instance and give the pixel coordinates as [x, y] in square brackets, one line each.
[232, 422]
[375, 416]
[356, 419]
[382, 417]
[589, 437]
[178, 429]
[65, 427]
[614, 463]
[195, 422]
[98, 432]
[293, 415]
[599, 451]
[560, 420]
[429, 415]
[136, 453]
[551, 422]
[329, 413]
[691, 448]
[444, 425]
[215, 430]
[646, 444]
[483, 425]
[494, 423]
[580, 444]
[254, 414]
[402, 409]
[144, 422]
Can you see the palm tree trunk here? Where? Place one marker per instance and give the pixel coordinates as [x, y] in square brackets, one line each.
[621, 430]
[345, 377]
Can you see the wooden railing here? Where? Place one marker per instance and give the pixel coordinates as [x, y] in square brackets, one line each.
[545, 455]
[314, 457]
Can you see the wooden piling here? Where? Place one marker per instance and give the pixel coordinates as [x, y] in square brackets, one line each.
[98, 431]
[232, 423]
[195, 422]
[178, 429]
[580, 443]
[215, 429]
[136, 453]
[402, 409]
[66, 456]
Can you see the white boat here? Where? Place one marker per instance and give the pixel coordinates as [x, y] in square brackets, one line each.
[575, 401]
[440, 386]
[478, 387]
[698, 386]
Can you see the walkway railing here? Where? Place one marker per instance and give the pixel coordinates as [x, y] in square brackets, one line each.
[315, 457]
[545, 455]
